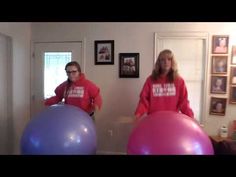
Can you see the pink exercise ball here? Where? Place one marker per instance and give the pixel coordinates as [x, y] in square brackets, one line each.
[169, 133]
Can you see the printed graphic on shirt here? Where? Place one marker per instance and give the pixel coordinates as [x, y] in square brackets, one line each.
[76, 92]
[167, 89]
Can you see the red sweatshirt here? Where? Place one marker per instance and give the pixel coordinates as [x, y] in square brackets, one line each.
[162, 95]
[82, 93]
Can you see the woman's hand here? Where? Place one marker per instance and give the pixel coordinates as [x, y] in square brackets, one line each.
[137, 119]
[96, 109]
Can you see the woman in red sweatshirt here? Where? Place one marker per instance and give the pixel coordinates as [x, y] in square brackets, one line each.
[164, 89]
[77, 91]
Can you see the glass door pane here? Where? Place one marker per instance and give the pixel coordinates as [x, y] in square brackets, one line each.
[54, 70]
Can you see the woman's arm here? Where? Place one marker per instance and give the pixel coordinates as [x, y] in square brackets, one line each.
[59, 91]
[144, 100]
[95, 95]
[183, 103]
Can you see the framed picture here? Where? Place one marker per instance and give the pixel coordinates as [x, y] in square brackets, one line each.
[104, 52]
[218, 106]
[233, 75]
[220, 44]
[129, 65]
[219, 64]
[218, 84]
[233, 57]
[232, 97]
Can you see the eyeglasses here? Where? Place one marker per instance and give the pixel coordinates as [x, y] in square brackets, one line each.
[71, 72]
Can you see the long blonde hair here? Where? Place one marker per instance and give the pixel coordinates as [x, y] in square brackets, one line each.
[157, 71]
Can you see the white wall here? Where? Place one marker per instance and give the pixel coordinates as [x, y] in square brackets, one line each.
[20, 34]
[121, 95]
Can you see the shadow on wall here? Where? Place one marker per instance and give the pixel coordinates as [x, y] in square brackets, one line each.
[114, 140]
[115, 121]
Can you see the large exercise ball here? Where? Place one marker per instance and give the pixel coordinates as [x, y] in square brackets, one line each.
[60, 129]
[168, 133]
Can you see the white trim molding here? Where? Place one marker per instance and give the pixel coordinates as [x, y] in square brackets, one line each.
[158, 46]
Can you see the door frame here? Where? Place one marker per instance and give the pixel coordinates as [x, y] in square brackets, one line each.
[8, 121]
[83, 42]
[158, 44]
[32, 57]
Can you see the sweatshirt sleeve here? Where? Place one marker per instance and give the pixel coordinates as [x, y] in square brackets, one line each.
[59, 91]
[183, 102]
[95, 95]
[143, 104]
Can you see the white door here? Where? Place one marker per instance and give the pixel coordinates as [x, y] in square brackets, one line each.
[190, 53]
[48, 69]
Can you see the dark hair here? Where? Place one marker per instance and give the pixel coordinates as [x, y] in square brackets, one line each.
[157, 71]
[72, 63]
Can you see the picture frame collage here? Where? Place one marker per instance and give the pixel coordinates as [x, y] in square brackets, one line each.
[128, 62]
[220, 65]
[232, 79]
[219, 72]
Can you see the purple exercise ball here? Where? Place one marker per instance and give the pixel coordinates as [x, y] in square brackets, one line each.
[60, 130]
[169, 133]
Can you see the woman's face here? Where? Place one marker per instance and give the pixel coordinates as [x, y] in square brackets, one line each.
[72, 73]
[219, 107]
[234, 51]
[219, 82]
[221, 63]
[165, 63]
[223, 42]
